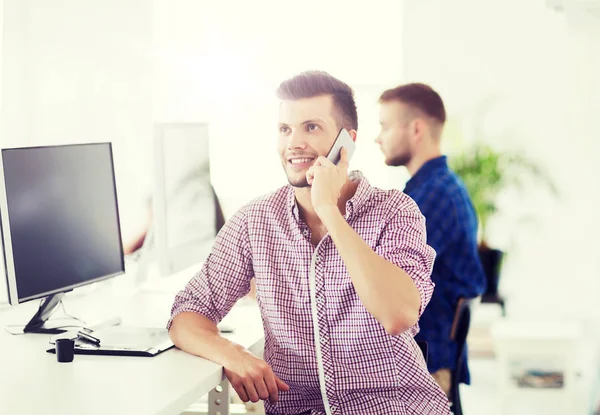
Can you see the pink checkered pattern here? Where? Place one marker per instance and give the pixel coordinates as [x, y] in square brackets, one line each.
[319, 338]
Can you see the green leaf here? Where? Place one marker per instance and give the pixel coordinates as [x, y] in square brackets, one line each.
[487, 172]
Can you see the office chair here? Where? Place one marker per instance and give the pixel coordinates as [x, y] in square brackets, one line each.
[459, 332]
[495, 298]
[424, 349]
[491, 261]
[219, 217]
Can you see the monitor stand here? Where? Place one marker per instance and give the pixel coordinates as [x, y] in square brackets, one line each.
[40, 322]
[37, 324]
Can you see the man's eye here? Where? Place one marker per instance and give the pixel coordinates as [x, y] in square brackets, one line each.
[312, 127]
[283, 129]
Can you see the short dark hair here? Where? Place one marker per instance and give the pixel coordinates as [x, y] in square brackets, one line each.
[419, 96]
[311, 84]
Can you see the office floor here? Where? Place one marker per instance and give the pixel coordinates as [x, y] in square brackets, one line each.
[481, 396]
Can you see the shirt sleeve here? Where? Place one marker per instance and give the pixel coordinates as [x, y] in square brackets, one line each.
[404, 243]
[225, 276]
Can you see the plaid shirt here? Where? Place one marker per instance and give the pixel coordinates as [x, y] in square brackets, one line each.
[319, 338]
[457, 272]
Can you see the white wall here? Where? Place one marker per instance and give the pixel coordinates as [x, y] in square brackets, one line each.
[223, 67]
[3, 287]
[546, 78]
[81, 71]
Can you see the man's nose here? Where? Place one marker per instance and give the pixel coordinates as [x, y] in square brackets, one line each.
[296, 140]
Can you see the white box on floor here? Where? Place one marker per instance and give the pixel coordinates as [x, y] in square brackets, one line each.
[540, 367]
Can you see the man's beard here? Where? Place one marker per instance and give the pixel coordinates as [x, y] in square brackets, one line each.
[399, 160]
[298, 182]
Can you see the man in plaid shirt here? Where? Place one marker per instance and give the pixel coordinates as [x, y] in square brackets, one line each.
[342, 272]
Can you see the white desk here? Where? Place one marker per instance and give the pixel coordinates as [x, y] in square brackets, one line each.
[33, 382]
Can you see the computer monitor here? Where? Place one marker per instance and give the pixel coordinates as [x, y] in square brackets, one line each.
[186, 214]
[60, 223]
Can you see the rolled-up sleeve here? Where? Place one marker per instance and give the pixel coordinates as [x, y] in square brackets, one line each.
[224, 277]
[404, 243]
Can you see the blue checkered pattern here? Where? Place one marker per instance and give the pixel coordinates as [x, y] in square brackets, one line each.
[457, 272]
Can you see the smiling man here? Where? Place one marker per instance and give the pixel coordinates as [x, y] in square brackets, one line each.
[342, 271]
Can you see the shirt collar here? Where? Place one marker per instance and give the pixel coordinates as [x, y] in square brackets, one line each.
[292, 204]
[353, 205]
[427, 171]
[362, 194]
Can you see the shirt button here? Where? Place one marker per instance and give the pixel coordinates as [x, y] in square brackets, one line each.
[333, 408]
[320, 300]
[318, 258]
[322, 340]
[327, 379]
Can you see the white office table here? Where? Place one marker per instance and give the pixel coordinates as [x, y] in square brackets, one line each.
[33, 382]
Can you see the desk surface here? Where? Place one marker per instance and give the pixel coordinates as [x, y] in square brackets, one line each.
[33, 382]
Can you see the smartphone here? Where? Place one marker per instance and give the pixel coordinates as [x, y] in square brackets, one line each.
[343, 140]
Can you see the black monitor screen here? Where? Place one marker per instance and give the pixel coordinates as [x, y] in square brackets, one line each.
[63, 217]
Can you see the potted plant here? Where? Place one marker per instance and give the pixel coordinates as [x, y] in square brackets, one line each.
[486, 173]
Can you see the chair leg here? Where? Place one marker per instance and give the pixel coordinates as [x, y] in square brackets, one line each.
[455, 398]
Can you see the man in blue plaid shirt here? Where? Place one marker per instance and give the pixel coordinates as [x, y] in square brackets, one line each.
[412, 118]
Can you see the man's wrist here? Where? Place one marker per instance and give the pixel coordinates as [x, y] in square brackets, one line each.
[327, 212]
[230, 352]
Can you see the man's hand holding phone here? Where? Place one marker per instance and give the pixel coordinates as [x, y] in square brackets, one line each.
[326, 180]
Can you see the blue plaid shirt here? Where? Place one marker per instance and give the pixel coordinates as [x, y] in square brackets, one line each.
[457, 272]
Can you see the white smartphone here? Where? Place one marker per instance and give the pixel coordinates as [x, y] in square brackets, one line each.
[343, 140]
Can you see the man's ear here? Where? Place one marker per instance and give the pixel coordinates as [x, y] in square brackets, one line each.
[353, 135]
[418, 129]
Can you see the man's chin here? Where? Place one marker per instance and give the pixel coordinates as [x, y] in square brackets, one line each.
[298, 183]
[397, 161]
[389, 161]
[297, 179]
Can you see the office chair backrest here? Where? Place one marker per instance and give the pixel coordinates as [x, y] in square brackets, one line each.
[219, 217]
[424, 349]
[491, 261]
[459, 332]
[462, 321]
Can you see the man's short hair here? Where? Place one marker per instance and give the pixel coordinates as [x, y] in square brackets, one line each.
[419, 96]
[311, 84]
